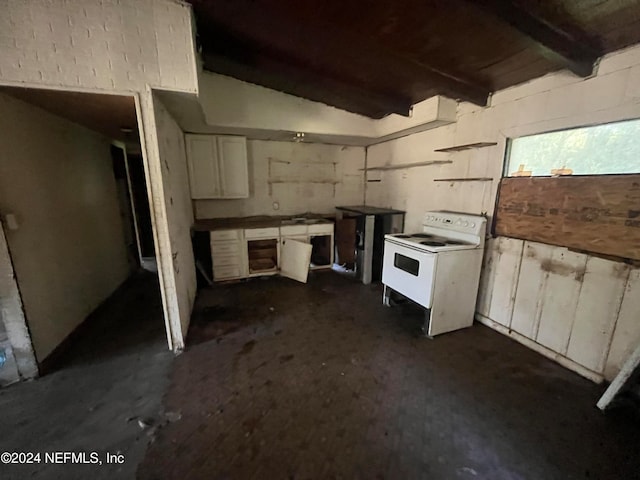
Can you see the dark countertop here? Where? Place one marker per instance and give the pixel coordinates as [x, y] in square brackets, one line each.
[260, 221]
[368, 210]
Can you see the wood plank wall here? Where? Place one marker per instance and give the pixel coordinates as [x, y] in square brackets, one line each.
[577, 309]
[599, 214]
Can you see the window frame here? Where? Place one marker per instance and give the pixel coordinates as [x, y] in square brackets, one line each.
[509, 145]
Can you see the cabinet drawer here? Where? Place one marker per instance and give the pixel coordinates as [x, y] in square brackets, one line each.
[226, 272]
[272, 232]
[222, 235]
[289, 230]
[224, 261]
[227, 248]
[321, 228]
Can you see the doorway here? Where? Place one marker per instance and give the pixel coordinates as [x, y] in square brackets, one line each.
[134, 206]
[78, 215]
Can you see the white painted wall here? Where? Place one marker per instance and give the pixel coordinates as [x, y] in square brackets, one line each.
[580, 317]
[578, 309]
[230, 106]
[314, 178]
[69, 253]
[177, 212]
[233, 103]
[414, 190]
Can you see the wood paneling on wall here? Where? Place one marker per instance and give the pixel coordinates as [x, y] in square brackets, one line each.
[572, 307]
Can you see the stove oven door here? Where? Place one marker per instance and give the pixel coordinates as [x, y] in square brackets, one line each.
[409, 271]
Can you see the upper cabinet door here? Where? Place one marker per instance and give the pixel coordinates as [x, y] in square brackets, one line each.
[232, 158]
[202, 159]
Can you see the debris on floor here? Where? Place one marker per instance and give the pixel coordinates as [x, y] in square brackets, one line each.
[112, 378]
[342, 387]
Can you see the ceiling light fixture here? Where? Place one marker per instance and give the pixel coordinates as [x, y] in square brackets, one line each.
[299, 137]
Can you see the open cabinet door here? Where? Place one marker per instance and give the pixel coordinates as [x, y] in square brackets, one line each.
[295, 258]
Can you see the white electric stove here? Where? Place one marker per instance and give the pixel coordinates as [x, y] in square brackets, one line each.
[437, 268]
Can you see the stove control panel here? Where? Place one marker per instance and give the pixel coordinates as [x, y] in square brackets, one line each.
[460, 222]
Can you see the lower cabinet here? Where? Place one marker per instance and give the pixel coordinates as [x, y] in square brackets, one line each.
[290, 251]
[228, 254]
[319, 236]
[263, 250]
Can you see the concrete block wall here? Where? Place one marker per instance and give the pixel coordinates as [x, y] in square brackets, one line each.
[91, 44]
[556, 101]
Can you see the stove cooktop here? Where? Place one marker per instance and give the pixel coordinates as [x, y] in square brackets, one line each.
[444, 231]
[420, 235]
[430, 242]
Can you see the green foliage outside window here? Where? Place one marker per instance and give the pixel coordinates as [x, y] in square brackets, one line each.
[601, 149]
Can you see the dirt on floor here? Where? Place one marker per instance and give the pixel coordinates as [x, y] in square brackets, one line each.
[105, 395]
[285, 380]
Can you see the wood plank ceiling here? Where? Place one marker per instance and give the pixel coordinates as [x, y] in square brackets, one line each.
[379, 57]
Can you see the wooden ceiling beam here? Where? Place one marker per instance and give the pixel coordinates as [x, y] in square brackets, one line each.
[298, 82]
[324, 53]
[570, 48]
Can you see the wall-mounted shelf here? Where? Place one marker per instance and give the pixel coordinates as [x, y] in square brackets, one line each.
[476, 179]
[327, 182]
[467, 146]
[407, 165]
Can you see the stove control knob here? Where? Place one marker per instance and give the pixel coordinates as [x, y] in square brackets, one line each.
[466, 224]
[473, 225]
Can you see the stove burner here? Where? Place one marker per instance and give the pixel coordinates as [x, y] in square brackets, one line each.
[431, 243]
[402, 236]
[455, 242]
[422, 235]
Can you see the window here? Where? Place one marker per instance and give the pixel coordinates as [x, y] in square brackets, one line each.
[407, 264]
[597, 150]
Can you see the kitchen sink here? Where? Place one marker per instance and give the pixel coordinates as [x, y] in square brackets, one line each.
[301, 221]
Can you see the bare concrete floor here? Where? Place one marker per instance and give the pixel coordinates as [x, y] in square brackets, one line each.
[283, 380]
[115, 375]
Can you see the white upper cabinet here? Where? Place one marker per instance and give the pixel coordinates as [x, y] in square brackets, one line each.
[202, 159]
[232, 161]
[217, 166]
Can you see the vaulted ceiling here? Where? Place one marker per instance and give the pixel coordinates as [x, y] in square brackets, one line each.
[376, 57]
